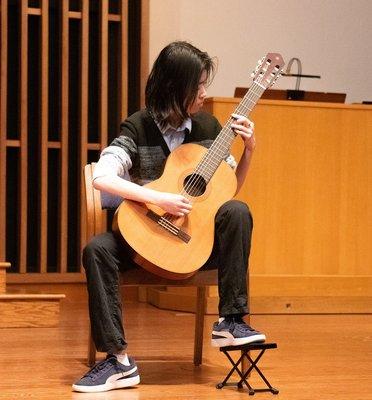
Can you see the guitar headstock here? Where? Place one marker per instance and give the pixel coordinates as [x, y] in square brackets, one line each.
[268, 70]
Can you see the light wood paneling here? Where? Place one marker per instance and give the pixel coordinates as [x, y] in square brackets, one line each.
[20, 310]
[145, 39]
[3, 119]
[305, 285]
[281, 295]
[64, 136]
[309, 191]
[103, 78]
[83, 154]
[308, 187]
[51, 277]
[34, 11]
[23, 135]
[103, 72]
[3, 267]
[123, 98]
[43, 145]
[53, 108]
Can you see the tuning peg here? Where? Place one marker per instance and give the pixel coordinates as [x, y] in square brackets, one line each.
[275, 79]
[255, 71]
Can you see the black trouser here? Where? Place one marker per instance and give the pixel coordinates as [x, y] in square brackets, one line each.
[106, 255]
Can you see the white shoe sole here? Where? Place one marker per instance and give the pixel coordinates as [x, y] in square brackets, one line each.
[119, 384]
[230, 341]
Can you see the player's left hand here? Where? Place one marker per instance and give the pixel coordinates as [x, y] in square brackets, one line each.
[245, 128]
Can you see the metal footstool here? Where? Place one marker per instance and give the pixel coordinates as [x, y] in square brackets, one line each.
[237, 366]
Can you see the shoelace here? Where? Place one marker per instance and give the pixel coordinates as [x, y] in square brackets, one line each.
[243, 325]
[101, 366]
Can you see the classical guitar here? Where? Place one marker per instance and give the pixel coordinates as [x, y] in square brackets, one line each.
[176, 247]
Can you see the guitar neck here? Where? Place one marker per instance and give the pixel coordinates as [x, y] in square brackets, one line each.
[220, 148]
[250, 99]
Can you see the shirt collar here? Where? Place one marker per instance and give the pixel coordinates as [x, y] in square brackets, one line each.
[168, 129]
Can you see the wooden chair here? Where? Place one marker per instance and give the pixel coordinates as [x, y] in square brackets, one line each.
[140, 277]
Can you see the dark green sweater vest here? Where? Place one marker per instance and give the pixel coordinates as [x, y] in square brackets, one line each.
[142, 140]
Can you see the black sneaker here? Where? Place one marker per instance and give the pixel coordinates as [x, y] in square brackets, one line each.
[234, 332]
[107, 375]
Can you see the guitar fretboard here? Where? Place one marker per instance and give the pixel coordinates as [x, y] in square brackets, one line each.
[220, 148]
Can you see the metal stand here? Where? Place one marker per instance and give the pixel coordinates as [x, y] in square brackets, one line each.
[245, 349]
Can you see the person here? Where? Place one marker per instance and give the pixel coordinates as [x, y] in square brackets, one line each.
[175, 92]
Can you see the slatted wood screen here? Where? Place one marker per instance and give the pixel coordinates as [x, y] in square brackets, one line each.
[64, 73]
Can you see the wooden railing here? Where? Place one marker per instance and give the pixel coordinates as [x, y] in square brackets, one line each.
[64, 68]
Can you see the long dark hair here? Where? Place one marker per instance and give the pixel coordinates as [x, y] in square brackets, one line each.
[174, 79]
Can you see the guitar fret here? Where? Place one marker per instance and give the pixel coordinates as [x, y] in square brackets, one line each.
[261, 86]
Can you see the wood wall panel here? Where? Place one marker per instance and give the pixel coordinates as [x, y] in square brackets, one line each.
[3, 118]
[58, 155]
[103, 72]
[124, 60]
[43, 146]
[23, 136]
[83, 111]
[64, 136]
[308, 187]
[145, 39]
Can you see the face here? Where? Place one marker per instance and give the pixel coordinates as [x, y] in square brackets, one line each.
[197, 104]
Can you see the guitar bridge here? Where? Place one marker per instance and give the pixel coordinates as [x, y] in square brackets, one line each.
[167, 225]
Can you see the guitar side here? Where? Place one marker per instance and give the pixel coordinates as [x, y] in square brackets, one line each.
[160, 251]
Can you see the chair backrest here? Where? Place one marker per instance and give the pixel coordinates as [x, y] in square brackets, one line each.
[94, 213]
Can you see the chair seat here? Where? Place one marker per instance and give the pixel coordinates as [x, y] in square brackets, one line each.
[141, 277]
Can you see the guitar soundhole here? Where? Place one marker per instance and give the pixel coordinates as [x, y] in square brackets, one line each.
[194, 185]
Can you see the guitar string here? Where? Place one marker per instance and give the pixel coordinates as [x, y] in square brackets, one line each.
[208, 157]
[219, 147]
[225, 133]
[204, 166]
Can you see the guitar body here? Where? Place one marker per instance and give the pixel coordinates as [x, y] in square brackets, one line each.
[157, 249]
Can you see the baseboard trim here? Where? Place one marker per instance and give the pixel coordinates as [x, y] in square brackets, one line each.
[283, 294]
[268, 304]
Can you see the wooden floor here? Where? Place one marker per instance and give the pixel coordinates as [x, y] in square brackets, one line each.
[318, 356]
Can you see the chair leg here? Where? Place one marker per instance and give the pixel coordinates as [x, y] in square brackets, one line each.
[199, 325]
[91, 359]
